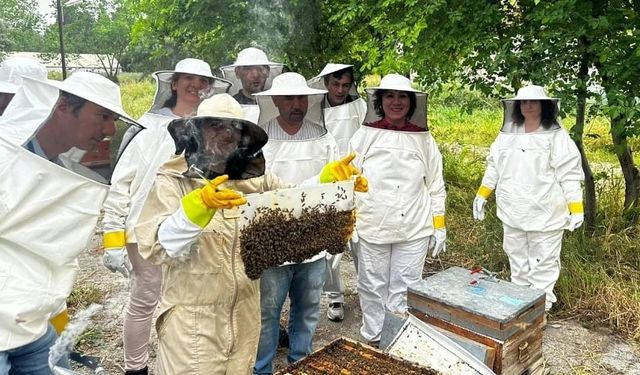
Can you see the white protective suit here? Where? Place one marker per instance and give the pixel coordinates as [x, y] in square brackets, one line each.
[536, 176]
[395, 220]
[250, 57]
[341, 121]
[49, 209]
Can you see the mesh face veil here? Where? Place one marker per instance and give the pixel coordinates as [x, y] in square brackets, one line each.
[218, 146]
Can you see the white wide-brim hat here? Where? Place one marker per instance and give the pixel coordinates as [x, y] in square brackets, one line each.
[531, 92]
[186, 66]
[290, 84]
[396, 82]
[13, 69]
[330, 68]
[94, 88]
[250, 57]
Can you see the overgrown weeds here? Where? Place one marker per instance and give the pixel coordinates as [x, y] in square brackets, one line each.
[600, 277]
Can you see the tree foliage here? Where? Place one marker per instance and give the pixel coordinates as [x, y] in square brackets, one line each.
[21, 27]
[100, 27]
[288, 31]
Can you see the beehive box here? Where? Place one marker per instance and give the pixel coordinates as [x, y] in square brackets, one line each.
[504, 320]
[347, 357]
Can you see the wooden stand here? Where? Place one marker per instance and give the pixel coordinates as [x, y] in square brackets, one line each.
[501, 321]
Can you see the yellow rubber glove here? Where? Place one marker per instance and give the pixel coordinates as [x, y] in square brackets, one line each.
[361, 185]
[339, 170]
[115, 256]
[201, 204]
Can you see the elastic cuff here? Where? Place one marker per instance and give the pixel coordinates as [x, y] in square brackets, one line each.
[438, 222]
[60, 321]
[484, 192]
[576, 208]
[114, 239]
[196, 211]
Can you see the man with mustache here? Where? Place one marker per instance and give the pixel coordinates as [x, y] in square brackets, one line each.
[299, 146]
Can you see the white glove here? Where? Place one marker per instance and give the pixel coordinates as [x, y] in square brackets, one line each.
[575, 221]
[478, 207]
[117, 260]
[440, 238]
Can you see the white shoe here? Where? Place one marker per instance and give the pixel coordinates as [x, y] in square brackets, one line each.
[335, 312]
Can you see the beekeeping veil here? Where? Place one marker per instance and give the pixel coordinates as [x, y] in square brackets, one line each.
[290, 84]
[187, 66]
[264, 70]
[13, 69]
[51, 206]
[219, 141]
[11, 72]
[396, 82]
[513, 121]
[342, 120]
[319, 81]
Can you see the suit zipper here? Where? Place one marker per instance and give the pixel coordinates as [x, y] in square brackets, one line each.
[234, 300]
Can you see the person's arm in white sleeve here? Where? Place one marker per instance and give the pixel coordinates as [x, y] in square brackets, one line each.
[437, 194]
[567, 164]
[117, 207]
[488, 185]
[170, 223]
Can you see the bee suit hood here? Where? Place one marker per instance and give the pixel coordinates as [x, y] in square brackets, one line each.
[49, 207]
[342, 120]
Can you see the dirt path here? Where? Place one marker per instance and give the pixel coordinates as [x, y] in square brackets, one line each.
[569, 348]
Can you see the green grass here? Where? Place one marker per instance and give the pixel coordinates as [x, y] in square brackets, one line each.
[83, 296]
[600, 277]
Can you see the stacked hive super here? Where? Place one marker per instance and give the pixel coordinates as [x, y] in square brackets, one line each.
[499, 322]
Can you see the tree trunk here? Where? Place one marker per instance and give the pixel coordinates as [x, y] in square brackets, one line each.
[590, 204]
[629, 170]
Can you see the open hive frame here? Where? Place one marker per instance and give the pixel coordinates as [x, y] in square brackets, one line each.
[347, 357]
[292, 225]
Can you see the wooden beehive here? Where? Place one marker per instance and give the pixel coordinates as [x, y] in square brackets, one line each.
[347, 357]
[500, 320]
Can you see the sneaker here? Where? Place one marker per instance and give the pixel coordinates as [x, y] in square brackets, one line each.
[335, 312]
[374, 344]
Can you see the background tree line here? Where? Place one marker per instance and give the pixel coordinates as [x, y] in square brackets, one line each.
[585, 51]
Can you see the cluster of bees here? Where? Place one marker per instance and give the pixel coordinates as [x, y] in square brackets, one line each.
[276, 236]
[346, 358]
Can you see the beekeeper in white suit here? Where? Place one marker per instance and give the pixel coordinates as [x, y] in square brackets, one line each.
[11, 72]
[535, 169]
[403, 213]
[50, 205]
[251, 73]
[344, 112]
[178, 94]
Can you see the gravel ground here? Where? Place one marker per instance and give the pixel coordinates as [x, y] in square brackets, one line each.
[569, 347]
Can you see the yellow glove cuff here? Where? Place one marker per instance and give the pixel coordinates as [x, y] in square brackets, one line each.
[438, 222]
[576, 208]
[195, 209]
[60, 321]
[484, 192]
[114, 239]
